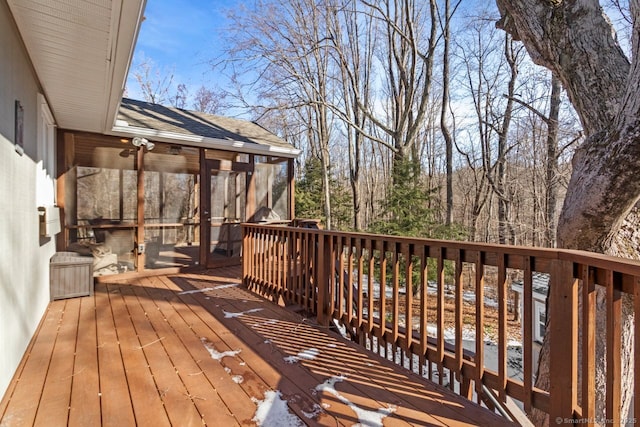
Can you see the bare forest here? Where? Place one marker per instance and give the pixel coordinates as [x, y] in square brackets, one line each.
[415, 118]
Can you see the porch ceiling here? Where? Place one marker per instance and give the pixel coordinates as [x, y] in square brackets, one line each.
[81, 51]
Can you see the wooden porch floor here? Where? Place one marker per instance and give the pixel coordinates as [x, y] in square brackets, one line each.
[196, 349]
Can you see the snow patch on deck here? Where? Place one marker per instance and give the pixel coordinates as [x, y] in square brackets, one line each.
[273, 411]
[227, 286]
[215, 354]
[316, 410]
[367, 418]
[197, 291]
[231, 315]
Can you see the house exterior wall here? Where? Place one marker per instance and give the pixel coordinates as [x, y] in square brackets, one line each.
[26, 182]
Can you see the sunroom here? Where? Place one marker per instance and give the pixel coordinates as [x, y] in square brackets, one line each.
[169, 189]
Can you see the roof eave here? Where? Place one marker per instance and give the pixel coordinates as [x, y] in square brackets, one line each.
[126, 29]
[205, 142]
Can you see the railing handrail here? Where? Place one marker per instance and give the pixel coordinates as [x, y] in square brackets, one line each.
[621, 265]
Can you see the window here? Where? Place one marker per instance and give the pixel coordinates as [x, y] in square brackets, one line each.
[46, 128]
[539, 321]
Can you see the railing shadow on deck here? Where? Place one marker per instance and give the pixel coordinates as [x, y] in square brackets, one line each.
[277, 336]
[363, 283]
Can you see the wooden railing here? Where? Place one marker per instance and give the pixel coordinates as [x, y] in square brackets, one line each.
[365, 283]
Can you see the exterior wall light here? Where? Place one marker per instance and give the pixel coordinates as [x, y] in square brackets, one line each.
[139, 142]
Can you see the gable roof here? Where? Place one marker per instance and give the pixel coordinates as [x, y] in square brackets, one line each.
[169, 124]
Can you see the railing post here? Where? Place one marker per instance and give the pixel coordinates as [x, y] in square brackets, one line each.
[563, 330]
[245, 255]
[322, 269]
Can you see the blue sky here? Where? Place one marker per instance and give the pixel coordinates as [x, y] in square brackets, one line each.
[180, 37]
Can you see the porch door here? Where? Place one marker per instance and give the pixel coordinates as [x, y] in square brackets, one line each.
[226, 211]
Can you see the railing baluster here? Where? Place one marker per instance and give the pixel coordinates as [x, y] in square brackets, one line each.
[458, 314]
[360, 264]
[341, 303]
[305, 268]
[613, 347]
[332, 276]
[396, 286]
[383, 291]
[440, 313]
[502, 325]
[370, 278]
[527, 326]
[322, 257]
[408, 253]
[277, 265]
[272, 263]
[424, 278]
[293, 263]
[479, 355]
[636, 350]
[588, 343]
[349, 273]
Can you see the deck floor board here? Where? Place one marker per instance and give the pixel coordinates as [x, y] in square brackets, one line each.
[116, 407]
[85, 389]
[133, 335]
[199, 349]
[56, 394]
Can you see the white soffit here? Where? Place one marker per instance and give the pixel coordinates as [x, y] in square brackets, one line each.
[81, 51]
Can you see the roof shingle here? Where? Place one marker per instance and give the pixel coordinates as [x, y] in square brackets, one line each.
[158, 117]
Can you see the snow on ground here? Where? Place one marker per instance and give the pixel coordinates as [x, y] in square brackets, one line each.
[515, 367]
[215, 354]
[273, 411]
[367, 418]
[231, 315]
[238, 379]
[308, 354]
[432, 289]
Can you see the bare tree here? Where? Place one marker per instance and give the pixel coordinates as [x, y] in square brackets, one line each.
[287, 41]
[444, 126]
[408, 61]
[209, 100]
[154, 84]
[551, 187]
[353, 37]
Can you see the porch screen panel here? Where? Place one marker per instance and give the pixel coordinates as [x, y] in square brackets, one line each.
[272, 199]
[101, 217]
[228, 207]
[172, 226]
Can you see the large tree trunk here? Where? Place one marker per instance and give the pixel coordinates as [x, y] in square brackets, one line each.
[575, 40]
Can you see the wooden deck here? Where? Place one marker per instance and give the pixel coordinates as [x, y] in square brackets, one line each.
[152, 352]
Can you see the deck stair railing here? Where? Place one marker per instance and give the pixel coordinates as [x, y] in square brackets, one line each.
[440, 308]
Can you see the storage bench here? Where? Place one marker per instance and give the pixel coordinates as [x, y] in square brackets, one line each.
[70, 275]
